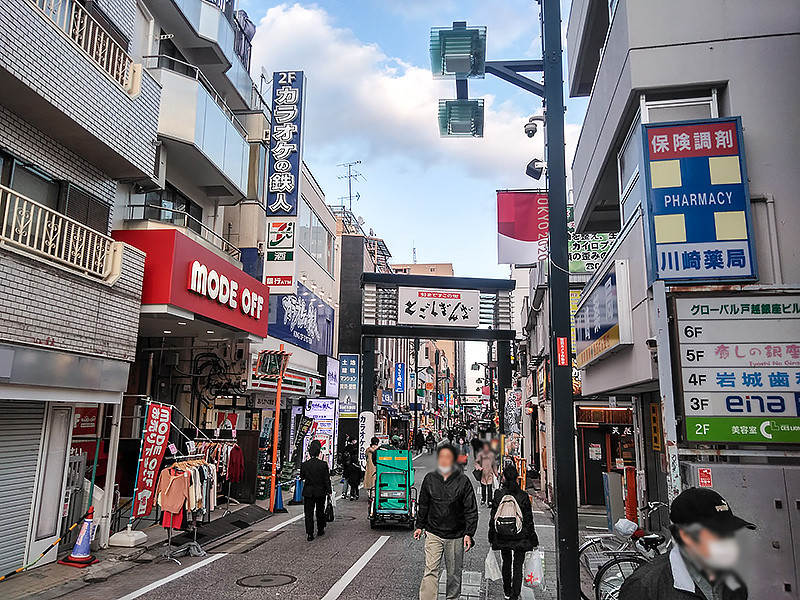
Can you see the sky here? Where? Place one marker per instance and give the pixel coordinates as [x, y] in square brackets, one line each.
[370, 96]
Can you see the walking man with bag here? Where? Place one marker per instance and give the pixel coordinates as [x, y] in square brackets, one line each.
[511, 530]
[448, 516]
[316, 488]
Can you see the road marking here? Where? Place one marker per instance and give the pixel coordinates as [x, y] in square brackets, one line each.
[417, 456]
[173, 577]
[348, 577]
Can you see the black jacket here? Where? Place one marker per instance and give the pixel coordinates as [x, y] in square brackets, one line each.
[527, 539]
[447, 507]
[655, 581]
[317, 478]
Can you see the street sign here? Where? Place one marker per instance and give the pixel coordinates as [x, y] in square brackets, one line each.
[349, 380]
[438, 307]
[740, 367]
[400, 377]
[698, 208]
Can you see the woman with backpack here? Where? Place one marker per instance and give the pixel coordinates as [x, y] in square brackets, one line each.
[511, 530]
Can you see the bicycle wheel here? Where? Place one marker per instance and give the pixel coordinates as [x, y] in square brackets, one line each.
[613, 574]
[591, 556]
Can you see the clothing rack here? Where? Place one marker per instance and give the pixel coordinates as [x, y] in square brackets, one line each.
[228, 499]
[169, 553]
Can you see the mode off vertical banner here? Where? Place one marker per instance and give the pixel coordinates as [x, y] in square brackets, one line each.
[154, 445]
[286, 143]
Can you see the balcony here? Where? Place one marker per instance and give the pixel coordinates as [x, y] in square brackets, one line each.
[153, 216]
[36, 229]
[204, 139]
[61, 73]
[209, 36]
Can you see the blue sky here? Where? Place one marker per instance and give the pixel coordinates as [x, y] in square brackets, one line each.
[370, 97]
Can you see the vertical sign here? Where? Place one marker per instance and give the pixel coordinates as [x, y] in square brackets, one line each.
[154, 445]
[400, 378]
[523, 221]
[349, 383]
[698, 205]
[562, 354]
[285, 155]
[366, 430]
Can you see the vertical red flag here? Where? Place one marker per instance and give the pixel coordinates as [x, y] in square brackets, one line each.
[523, 222]
[154, 445]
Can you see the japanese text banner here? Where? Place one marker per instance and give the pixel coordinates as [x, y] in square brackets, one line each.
[154, 444]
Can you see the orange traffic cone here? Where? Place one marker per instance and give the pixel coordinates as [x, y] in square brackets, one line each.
[81, 553]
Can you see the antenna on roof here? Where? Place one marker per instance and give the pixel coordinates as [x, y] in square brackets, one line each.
[351, 175]
[413, 252]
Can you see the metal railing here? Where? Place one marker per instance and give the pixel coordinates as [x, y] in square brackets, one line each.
[89, 35]
[41, 230]
[161, 61]
[181, 218]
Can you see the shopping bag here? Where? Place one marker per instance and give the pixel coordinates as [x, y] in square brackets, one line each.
[533, 574]
[329, 511]
[477, 474]
[491, 568]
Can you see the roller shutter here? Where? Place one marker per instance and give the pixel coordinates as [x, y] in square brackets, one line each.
[20, 435]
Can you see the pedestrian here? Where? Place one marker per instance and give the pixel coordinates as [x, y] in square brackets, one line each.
[353, 474]
[486, 463]
[431, 441]
[419, 441]
[701, 563]
[316, 488]
[372, 462]
[347, 458]
[448, 515]
[511, 530]
[476, 446]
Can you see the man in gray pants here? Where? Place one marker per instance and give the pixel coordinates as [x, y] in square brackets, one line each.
[448, 516]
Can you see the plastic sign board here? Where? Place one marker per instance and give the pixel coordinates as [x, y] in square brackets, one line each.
[303, 319]
[366, 431]
[586, 250]
[523, 225]
[286, 143]
[400, 377]
[349, 385]
[387, 398]
[562, 352]
[698, 205]
[436, 307]
[603, 319]
[740, 367]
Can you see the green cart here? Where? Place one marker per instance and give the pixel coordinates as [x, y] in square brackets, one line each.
[394, 497]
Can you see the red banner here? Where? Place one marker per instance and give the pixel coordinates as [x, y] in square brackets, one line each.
[523, 221]
[154, 445]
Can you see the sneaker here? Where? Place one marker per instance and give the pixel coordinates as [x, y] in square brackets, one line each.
[310, 537]
[321, 532]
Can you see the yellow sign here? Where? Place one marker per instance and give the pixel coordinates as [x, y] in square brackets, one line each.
[655, 426]
[605, 342]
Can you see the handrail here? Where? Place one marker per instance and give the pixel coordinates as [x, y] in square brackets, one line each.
[74, 20]
[34, 227]
[198, 75]
[206, 232]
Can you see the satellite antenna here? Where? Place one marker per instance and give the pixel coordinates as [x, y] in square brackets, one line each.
[351, 175]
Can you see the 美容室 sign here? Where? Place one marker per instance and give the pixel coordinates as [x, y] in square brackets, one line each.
[438, 307]
[698, 208]
[740, 367]
[180, 272]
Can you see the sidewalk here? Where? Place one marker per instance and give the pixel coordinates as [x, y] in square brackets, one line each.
[53, 580]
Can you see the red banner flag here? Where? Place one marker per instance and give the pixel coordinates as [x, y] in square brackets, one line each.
[522, 227]
[154, 445]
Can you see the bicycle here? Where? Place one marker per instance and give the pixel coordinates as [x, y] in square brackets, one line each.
[616, 555]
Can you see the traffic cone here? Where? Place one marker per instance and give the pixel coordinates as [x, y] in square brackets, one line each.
[81, 555]
[279, 508]
[298, 492]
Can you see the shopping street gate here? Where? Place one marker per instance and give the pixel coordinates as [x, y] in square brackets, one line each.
[435, 308]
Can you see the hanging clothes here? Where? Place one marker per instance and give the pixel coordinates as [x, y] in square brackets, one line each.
[235, 464]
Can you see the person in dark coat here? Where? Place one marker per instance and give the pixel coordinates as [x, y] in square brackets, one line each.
[353, 473]
[513, 547]
[316, 488]
[701, 563]
[419, 441]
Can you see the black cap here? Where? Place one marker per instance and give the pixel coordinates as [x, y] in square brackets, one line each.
[709, 509]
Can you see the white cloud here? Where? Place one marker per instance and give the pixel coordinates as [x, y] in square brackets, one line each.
[379, 107]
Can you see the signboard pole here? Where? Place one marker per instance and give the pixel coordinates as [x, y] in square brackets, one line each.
[666, 390]
[275, 433]
[416, 384]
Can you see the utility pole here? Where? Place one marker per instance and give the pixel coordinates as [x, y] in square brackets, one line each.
[566, 491]
[416, 385]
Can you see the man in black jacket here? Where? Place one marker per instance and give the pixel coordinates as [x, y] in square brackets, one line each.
[316, 487]
[448, 514]
[700, 565]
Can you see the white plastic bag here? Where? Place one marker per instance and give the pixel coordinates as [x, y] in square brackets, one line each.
[533, 575]
[492, 568]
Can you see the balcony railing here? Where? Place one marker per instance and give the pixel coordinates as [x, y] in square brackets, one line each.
[86, 32]
[35, 228]
[181, 218]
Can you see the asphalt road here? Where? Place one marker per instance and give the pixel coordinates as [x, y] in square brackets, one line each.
[350, 562]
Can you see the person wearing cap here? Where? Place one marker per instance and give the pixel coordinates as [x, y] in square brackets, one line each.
[701, 563]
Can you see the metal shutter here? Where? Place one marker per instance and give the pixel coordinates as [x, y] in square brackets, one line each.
[87, 210]
[20, 435]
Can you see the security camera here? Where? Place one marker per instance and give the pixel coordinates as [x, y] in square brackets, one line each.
[652, 343]
[531, 126]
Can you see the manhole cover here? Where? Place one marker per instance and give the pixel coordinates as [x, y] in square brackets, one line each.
[268, 580]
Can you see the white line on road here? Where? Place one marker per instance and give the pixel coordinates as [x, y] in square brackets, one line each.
[173, 577]
[348, 577]
[417, 456]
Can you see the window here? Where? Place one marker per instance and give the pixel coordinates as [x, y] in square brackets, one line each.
[314, 237]
[85, 209]
[34, 184]
[171, 206]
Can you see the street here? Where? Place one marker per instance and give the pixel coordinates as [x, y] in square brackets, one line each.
[273, 558]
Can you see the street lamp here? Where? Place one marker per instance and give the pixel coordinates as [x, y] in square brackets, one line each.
[458, 51]
[461, 118]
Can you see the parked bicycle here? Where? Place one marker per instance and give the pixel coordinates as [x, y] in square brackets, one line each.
[607, 560]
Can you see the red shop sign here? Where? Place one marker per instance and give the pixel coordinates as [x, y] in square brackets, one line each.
[562, 354]
[85, 422]
[154, 445]
[180, 272]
